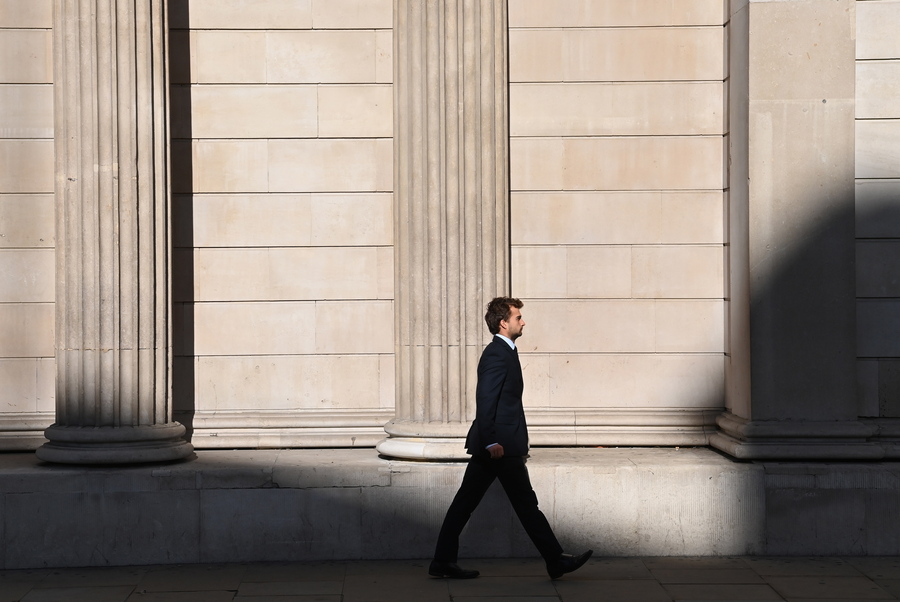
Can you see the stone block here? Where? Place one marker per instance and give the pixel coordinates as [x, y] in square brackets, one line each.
[598, 13]
[27, 166]
[878, 268]
[812, 44]
[27, 220]
[384, 57]
[878, 328]
[27, 111]
[889, 388]
[287, 274]
[616, 163]
[878, 208]
[827, 519]
[228, 57]
[253, 112]
[28, 384]
[254, 328]
[354, 327]
[314, 56]
[352, 14]
[877, 24]
[299, 382]
[321, 523]
[230, 165]
[636, 380]
[597, 218]
[878, 149]
[694, 326]
[867, 387]
[27, 14]
[877, 88]
[620, 109]
[27, 275]
[27, 330]
[599, 272]
[247, 14]
[678, 272]
[622, 55]
[588, 326]
[539, 272]
[356, 111]
[351, 219]
[243, 220]
[536, 373]
[330, 165]
[26, 56]
[168, 518]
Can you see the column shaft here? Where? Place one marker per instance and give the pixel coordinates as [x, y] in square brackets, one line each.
[112, 210]
[451, 212]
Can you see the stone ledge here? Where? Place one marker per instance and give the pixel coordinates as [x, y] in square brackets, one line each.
[268, 505]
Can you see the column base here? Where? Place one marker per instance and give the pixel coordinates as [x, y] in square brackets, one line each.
[409, 440]
[795, 440]
[114, 444]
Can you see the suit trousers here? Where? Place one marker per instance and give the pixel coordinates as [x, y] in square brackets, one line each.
[513, 475]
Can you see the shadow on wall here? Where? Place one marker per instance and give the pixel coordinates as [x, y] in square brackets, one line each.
[181, 133]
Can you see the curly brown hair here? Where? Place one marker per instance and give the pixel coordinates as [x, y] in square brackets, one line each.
[498, 310]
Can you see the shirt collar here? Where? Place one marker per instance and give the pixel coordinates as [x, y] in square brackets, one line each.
[507, 340]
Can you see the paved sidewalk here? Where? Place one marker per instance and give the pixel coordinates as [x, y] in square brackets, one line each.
[502, 580]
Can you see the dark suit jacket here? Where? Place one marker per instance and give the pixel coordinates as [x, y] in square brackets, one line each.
[499, 416]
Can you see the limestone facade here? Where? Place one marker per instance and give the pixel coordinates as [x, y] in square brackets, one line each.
[682, 179]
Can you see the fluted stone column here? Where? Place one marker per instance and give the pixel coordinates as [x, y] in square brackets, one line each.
[113, 391]
[451, 211]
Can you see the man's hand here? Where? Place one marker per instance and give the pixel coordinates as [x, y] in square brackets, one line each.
[496, 451]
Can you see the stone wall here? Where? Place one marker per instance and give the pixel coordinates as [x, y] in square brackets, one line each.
[282, 162]
[877, 202]
[617, 124]
[26, 222]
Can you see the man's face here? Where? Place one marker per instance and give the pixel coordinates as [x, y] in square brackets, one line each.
[512, 328]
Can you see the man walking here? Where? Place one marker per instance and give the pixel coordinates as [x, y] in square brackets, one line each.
[498, 444]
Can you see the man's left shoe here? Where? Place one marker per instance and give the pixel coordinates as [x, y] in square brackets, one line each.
[450, 569]
[566, 563]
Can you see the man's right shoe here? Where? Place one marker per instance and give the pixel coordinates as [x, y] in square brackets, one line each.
[566, 563]
[450, 569]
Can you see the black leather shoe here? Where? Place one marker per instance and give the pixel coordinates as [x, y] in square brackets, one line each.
[450, 569]
[566, 563]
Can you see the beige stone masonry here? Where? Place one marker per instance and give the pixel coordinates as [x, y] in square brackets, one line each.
[28, 385]
[877, 149]
[27, 275]
[26, 56]
[297, 382]
[26, 330]
[623, 109]
[27, 165]
[602, 13]
[27, 14]
[293, 327]
[291, 274]
[330, 165]
[27, 111]
[877, 23]
[355, 111]
[639, 163]
[627, 54]
[253, 112]
[339, 57]
[247, 14]
[352, 14]
[287, 220]
[877, 89]
[26, 220]
[601, 218]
